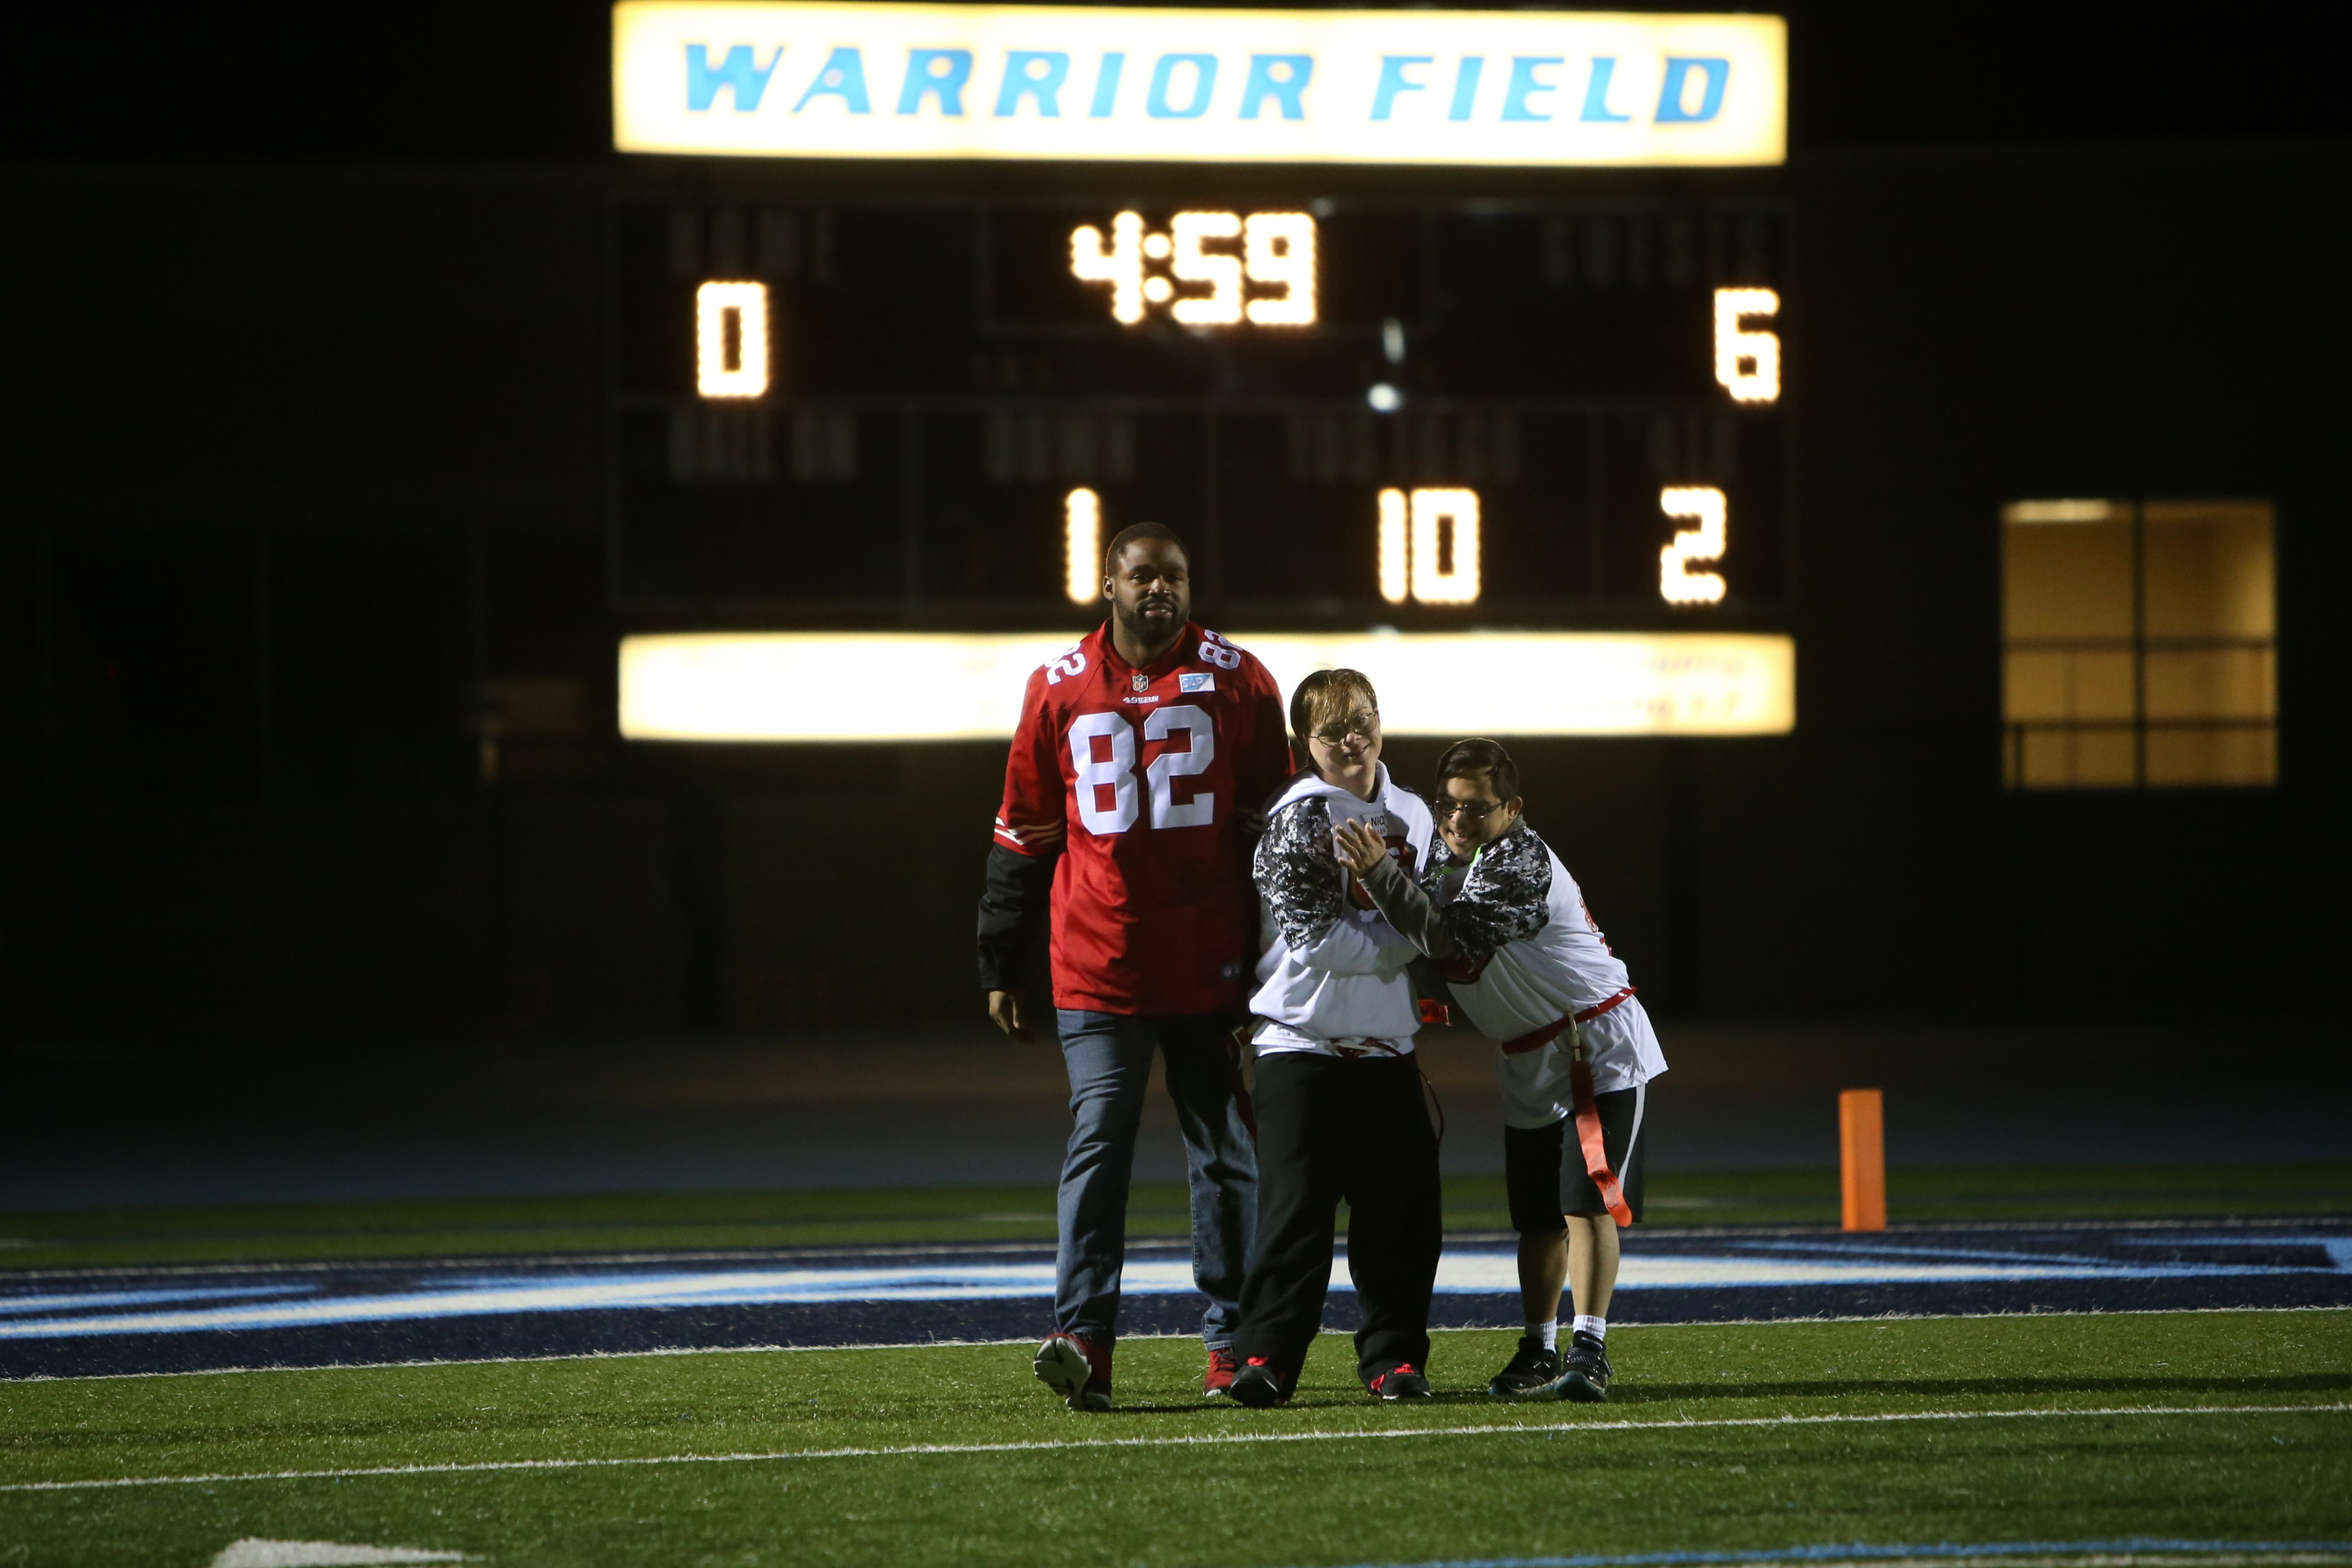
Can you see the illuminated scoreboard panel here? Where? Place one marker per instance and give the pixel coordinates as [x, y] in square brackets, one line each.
[1429, 414]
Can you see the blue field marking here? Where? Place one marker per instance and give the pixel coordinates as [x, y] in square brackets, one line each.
[83, 1300]
[1863, 1552]
[1464, 1270]
[213, 1316]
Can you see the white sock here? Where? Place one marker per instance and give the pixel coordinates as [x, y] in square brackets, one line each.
[1548, 1332]
[1597, 1327]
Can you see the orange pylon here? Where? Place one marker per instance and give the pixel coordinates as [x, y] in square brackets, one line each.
[1861, 1143]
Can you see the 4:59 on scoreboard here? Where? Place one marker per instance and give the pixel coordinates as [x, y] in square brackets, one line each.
[1414, 413]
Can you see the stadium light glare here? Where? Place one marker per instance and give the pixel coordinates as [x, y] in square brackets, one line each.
[807, 686]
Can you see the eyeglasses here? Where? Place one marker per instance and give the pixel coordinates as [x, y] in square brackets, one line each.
[1472, 812]
[1365, 726]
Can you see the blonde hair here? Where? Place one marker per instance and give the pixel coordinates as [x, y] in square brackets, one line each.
[1326, 695]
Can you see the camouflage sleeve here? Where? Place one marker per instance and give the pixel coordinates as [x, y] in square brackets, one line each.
[1442, 868]
[1300, 876]
[1505, 899]
[1297, 872]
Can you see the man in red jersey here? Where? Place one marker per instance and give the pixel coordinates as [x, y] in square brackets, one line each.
[1139, 752]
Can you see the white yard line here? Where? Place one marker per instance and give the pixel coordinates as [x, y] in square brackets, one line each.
[1202, 1441]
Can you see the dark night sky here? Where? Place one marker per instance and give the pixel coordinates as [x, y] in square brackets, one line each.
[524, 81]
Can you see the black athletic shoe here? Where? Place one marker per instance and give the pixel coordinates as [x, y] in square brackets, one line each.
[1536, 1364]
[1583, 1371]
[1403, 1381]
[1259, 1386]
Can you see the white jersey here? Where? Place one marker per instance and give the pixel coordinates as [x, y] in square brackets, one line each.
[1530, 955]
[1332, 975]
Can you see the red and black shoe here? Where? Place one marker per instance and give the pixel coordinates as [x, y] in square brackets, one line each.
[1077, 1368]
[1258, 1385]
[1223, 1368]
[1403, 1381]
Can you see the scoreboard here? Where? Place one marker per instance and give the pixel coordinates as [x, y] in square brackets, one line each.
[1419, 413]
[1520, 425]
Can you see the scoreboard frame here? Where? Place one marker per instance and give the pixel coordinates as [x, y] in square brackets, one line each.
[791, 442]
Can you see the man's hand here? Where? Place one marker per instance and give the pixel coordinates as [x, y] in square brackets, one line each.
[1006, 1011]
[1360, 846]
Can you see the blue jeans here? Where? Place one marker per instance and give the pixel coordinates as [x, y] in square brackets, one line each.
[1110, 1059]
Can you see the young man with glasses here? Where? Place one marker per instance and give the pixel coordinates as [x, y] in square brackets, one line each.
[1526, 962]
[1339, 1111]
[1139, 752]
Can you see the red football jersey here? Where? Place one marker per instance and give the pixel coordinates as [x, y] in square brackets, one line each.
[1140, 777]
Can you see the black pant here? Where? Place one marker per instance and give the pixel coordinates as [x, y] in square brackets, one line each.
[1330, 1129]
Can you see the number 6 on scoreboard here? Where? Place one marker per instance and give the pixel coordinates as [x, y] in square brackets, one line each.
[1746, 359]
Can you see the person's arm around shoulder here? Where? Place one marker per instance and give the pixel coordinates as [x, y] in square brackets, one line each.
[1305, 887]
[1031, 829]
[1398, 898]
[1505, 898]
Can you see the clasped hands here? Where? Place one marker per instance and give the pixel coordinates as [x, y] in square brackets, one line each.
[1359, 848]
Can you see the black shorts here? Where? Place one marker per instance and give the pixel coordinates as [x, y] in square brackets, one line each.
[1543, 1167]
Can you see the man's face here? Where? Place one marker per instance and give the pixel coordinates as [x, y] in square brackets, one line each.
[1468, 815]
[1344, 742]
[1150, 590]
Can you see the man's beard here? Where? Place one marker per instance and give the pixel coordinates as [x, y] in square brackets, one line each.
[1133, 622]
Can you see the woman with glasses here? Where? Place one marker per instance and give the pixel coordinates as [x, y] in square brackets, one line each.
[1574, 1050]
[1339, 1111]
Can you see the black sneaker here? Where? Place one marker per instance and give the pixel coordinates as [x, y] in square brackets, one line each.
[1259, 1386]
[1403, 1381]
[1536, 1364]
[1583, 1371]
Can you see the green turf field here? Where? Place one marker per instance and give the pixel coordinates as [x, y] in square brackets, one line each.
[687, 1221]
[2229, 1427]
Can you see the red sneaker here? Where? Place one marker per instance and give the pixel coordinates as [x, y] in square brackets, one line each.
[1219, 1378]
[1078, 1369]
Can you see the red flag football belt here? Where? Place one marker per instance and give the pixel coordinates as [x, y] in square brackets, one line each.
[1588, 1110]
[1540, 1038]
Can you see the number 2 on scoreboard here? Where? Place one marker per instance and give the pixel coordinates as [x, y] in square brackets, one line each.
[1116, 772]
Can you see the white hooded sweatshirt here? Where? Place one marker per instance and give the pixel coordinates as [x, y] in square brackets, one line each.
[1332, 976]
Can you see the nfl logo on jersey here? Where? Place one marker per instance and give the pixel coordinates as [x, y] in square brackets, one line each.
[1139, 680]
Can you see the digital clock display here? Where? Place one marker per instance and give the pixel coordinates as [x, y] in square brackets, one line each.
[1424, 413]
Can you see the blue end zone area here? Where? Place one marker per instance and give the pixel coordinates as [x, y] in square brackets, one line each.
[86, 1322]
